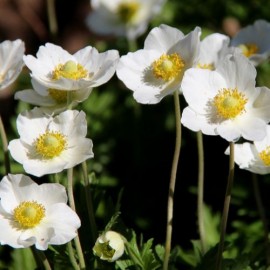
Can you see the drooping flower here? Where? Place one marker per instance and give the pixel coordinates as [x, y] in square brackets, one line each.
[11, 61]
[157, 70]
[210, 51]
[127, 18]
[55, 68]
[109, 246]
[50, 144]
[253, 157]
[52, 100]
[254, 41]
[32, 214]
[226, 102]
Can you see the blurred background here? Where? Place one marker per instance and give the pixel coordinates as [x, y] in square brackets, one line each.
[134, 143]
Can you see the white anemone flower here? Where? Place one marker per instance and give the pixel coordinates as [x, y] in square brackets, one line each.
[11, 61]
[55, 68]
[127, 18]
[254, 41]
[225, 101]
[50, 144]
[32, 214]
[109, 246]
[210, 51]
[157, 70]
[52, 100]
[253, 157]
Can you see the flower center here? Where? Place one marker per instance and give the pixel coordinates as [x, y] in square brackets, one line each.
[249, 49]
[60, 96]
[168, 66]
[69, 70]
[29, 214]
[127, 11]
[50, 144]
[265, 156]
[229, 103]
[206, 66]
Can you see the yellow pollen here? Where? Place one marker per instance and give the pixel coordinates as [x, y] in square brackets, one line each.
[248, 49]
[168, 67]
[229, 103]
[50, 144]
[60, 96]
[69, 70]
[29, 214]
[127, 11]
[206, 66]
[265, 156]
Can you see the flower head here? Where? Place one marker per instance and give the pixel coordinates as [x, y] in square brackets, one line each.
[226, 102]
[50, 144]
[109, 246]
[253, 157]
[52, 100]
[55, 68]
[210, 51]
[254, 41]
[157, 70]
[32, 214]
[11, 61]
[128, 18]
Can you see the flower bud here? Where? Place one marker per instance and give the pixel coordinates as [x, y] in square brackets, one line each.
[109, 246]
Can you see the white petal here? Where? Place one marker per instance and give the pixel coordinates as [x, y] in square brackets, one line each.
[162, 38]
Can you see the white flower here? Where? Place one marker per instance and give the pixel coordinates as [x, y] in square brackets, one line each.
[50, 144]
[254, 41]
[157, 70]
[55, 68]
[210, 51]
[32, 214]
[109, 246]
[11, 61]
[51, 100]
[128, 18]
[254, 157]
[226, 102]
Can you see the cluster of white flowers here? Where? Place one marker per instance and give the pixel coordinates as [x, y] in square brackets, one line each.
[216, 76]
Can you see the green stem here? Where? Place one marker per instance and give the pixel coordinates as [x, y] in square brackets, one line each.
[89, 202]
[51, 13]
[72, 205]
[262, 214]
[226, 208]
[132, 45]
[72, 256]
[41, 257]
[5, 147]
[200, 190]
[172, 181]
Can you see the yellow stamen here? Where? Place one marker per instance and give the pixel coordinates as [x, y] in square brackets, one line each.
[69, 70]
[249, 49]
[127, 11]
[229, 103]
[206, 66]
[29, 214]
[168, 67]
[265, 156]
[50, 144]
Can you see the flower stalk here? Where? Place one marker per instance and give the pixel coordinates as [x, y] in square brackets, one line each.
[5, 146]
[226, 207]
[173, 180]
[200, 190]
